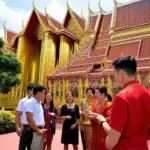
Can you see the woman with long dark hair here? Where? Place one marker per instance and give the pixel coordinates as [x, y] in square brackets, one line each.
[50, 113]
[70, 115]
[100, 106]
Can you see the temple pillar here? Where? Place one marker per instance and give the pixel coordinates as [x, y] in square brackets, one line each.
[49, 86]
[63, 93]
[59, 92]
[148, 81]
[86, 85]
[139, 78]
[67, 86]
[54, 92]
[47, 57]
[102, 82]
[65, 51]
[109, 86]
[80, 89]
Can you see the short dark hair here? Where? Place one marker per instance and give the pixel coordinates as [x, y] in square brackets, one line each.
[38, 88]
[90, 89]
[30, 86]
[109, 97]
[102, 90]
[127, 63]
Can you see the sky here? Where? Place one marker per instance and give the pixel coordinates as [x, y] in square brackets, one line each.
[14, 11]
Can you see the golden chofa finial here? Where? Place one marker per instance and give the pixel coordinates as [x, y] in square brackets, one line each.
[46, 10]
[82, 15]
[67, 4]
[90, 11]
[100, 8]
[4, 23]
[33, 3]
[23, 24]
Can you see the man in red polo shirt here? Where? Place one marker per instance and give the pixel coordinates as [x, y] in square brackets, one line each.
[130, 118]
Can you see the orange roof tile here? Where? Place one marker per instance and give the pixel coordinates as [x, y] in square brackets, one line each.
[93, 20]
[130, 15]
[128, 49]
[145, 49]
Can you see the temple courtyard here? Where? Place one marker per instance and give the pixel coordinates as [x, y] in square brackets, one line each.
[10, 142]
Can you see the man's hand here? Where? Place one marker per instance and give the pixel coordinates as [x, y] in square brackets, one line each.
[41, 132]
[73, 126]
[18, 131]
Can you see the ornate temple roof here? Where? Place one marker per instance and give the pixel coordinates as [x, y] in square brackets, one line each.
[47, 23]
[123, 32]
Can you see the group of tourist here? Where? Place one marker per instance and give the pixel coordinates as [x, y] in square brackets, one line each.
[118, 125]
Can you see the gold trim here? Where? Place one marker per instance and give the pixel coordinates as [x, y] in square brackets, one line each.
[49, 20]
[89, 9]
[23, 27]
[100, 7]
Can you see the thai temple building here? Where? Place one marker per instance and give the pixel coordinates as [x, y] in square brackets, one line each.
[79, 52]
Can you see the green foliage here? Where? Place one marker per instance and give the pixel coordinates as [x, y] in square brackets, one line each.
[10, 68]
[1, 43]
[7, 122]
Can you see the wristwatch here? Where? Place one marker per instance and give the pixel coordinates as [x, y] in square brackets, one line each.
[103, 122]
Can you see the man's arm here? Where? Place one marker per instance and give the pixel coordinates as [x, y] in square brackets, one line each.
[17, 121]
[31, 122]
[17, 117]
[117, 122]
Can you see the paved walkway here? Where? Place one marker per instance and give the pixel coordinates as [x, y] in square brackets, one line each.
[10, 142]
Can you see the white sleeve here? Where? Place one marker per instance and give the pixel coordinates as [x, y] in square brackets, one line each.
[20, 106]
[29, 106]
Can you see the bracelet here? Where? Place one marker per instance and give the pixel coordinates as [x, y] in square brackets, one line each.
[102, 122]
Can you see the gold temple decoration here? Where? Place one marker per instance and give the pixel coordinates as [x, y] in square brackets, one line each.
[139, 78]
[55, 92]
[101, 67]
[4, 27]
[49, 86]
[23, 27]
[86, 85]
[59, 91]
[100, 7]
[49, 20]
[148, 80]
[114, 17]
[63, 93]
[105, 62]
[102, 82]
[109, 85]
[82, 15]
[89, 9]
[80, 89]
[67, 86]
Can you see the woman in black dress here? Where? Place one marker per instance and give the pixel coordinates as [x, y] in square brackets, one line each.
[70, 115]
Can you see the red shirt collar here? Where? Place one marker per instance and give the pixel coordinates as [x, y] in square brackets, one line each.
[130, 82]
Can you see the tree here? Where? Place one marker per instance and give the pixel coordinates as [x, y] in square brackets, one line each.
[10, 68]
